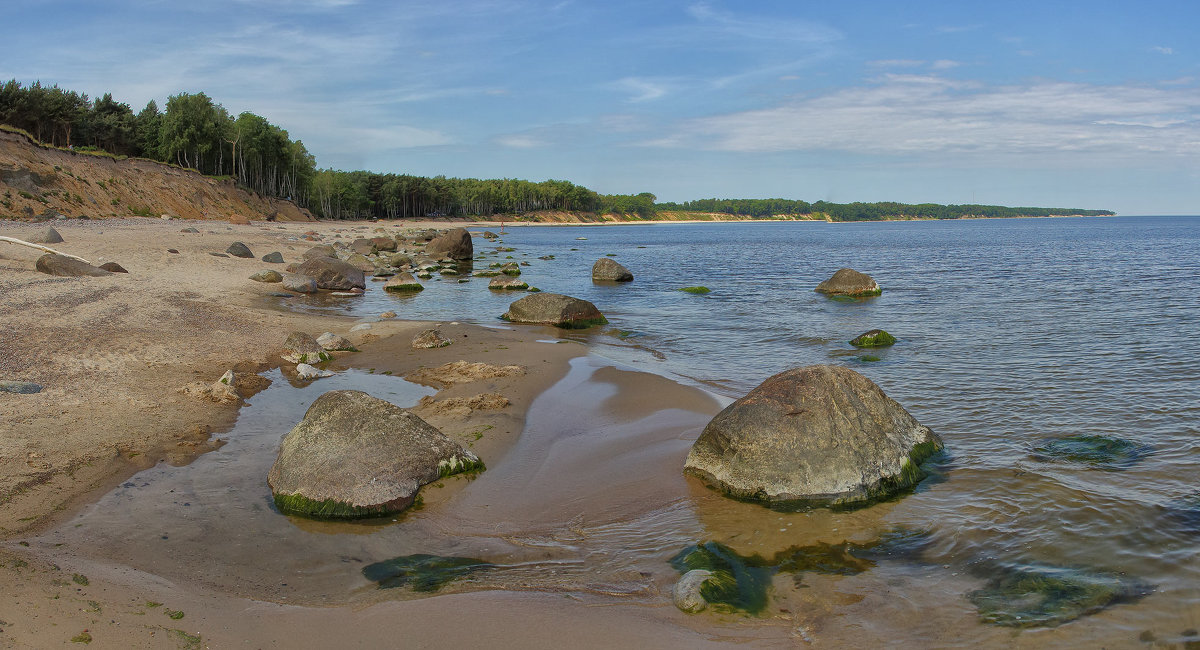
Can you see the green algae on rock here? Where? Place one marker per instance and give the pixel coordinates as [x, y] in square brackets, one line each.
[873, 339]
[555, 309]
[813, 436]
[423, 572]
[1047, 596]
[1098, 452]
[738, 583]
[699, 291]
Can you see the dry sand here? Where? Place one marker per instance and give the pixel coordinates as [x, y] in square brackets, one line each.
[112, 352]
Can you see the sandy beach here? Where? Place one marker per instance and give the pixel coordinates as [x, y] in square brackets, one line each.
[112, 354]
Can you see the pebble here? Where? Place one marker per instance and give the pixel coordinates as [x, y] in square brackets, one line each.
[20, 387]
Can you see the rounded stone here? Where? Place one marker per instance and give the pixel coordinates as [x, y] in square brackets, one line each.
[554, 309]
[608, 270]
[848, 282]
[686, 593]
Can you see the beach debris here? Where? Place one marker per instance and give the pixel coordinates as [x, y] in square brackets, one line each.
[354, 455]
[113, 267]
[47, 236]
[462, 406]
[238, 249]
[1096, 452]
[462, 372]
[44, 249]
[67, 267]
[607, 269]
[554, 309]
[19, 387]
[455, 243]
[332, 342]
[1036, 595]
[273, 258]
[403, 283]
[424, 573]
[302, 348]
[817, 435]
[222, 391]
[507, 284]
[430, 338]
[332, 274]
[686, 593]
[267, 276]
[848, 282]
[305, 371]
[873, 339]
[299, 283]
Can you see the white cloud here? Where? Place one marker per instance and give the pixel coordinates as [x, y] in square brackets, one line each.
[896, 63]
[1162, 50]
[925, 114]
[641, 89]
[519, 142]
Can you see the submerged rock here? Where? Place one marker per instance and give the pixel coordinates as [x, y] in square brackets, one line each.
[608, 270]
[734, 582]
[67, 267]
[1046, 596]
[424, 573]
[873, 339]
[403, 283]
[698, 290]
[686, 593]
[848, 282]
[504, 283]
[820, 435]
[554, 309]
[354, 455]
[1098, 452]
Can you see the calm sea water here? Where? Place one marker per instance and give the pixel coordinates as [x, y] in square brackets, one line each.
[1012, 333]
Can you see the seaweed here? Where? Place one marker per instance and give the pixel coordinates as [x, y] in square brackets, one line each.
[873, 339]
[423, 572]
[699, 291]
[1034, 595]
[1096, 452]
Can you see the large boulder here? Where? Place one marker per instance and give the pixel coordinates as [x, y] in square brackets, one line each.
[362, 246]
[384, 244]
[454, 243]
[47, 236]
[607, 269]
[67, 267]
[822, 435]
[332, 274]
[238, 249]
[554, 309]
[354, 455]
[848, 282]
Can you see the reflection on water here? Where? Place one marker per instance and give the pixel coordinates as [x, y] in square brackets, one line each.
[1012, 335]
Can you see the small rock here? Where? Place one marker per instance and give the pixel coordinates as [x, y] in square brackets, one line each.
[430, 338]
[504, 283]
[219, 255]
[267, 276]
[873, 339]
[273, 258]
[388, 314]
[238, 249]
[686, 592]
[172, 250]
[331, 341]
[607, 270]
[302, 348]
[20, 387]
[113, 267]
[403, 283]
[305, 371]
[190, 230]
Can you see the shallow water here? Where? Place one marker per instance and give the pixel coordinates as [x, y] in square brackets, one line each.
[1011, 333]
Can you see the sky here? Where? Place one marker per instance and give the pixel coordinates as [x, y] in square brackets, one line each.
[1023, 103]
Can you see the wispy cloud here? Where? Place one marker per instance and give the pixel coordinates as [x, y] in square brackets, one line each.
[1162, 50]
[640, 89]
[926, 114]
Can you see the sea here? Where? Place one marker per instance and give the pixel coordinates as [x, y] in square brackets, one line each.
[1055, 357]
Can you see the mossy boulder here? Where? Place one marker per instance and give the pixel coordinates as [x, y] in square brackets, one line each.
[873, 339]
[698, 290]
[608, 270]
[848, 282]
[508, 284]
[554, 309]
[403, 283]
[817, 435]
[354, 455]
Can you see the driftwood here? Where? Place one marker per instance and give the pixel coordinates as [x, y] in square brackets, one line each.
[19, 242]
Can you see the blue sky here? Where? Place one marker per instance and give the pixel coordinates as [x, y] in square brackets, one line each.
[1071, 104]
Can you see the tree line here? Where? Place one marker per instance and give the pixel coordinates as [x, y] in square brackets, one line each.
[195, 132]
